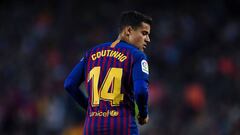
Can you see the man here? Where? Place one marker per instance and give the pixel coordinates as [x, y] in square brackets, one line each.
[116, 75]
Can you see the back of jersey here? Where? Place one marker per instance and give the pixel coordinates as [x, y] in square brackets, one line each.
[109, 85]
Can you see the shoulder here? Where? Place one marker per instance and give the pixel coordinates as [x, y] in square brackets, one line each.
[139, 55]
[136, 53]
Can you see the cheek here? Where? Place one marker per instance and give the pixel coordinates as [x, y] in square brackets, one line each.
[137, 38]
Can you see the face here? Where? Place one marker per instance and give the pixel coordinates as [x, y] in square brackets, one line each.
[140, 36]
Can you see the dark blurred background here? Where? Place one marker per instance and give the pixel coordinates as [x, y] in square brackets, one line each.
[194, 63]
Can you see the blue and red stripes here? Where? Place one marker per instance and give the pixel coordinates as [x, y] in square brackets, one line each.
[121, 124]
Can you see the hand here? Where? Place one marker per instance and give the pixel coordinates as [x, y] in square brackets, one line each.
[142, 120]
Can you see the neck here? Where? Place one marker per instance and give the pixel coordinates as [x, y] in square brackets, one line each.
[121, 37]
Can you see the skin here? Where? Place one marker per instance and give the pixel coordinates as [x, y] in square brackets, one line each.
[138, 37]
[143, 121]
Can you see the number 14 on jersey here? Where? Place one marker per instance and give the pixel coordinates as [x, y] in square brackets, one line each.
[106, 92]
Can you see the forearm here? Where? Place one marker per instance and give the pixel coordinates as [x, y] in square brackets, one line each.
[141, 96]
[76, 93]
[72, 83]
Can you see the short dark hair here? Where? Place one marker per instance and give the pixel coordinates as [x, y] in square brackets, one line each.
[133, 19]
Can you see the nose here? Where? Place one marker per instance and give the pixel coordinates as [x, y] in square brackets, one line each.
[147, 39]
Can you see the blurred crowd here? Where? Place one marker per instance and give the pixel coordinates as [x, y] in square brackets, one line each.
[194, 58]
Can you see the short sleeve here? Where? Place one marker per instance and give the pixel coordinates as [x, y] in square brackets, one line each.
[140, 67]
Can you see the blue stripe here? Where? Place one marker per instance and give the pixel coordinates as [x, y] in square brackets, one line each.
[109, 124]
[134, 128]
[102, 125]
[95, 127]
[89, 126]
[127, 124]
[121, 120]
[115, 124]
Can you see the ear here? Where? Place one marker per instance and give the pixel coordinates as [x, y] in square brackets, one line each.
[128, 30]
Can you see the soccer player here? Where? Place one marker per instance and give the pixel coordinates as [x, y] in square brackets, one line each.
[116, 75]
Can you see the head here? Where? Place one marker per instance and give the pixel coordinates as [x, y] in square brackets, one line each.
[135, 29]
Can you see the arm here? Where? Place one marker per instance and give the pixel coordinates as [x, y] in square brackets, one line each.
[72, 83]
[141, 96]
[140, 80]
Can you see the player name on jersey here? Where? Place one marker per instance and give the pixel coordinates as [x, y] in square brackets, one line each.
[109, 53]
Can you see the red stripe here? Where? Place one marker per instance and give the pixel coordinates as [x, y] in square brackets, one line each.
[90, 87]
[97, 118]
[119, 117]
[124, 120]
[126, 72]
[124, 117]
[127, 120]
[120, 63]
[91, 109]
[89, 92]
[102, 72]
[123, 64]
[88, 66]
[96, 63]
[119, 122]
[103, 103]
[103, 66]
[105, 122]
[112, 118]
[86, 125]
[114, 63]
[129, 81]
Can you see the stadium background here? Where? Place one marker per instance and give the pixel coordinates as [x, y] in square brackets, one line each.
[194, 63]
